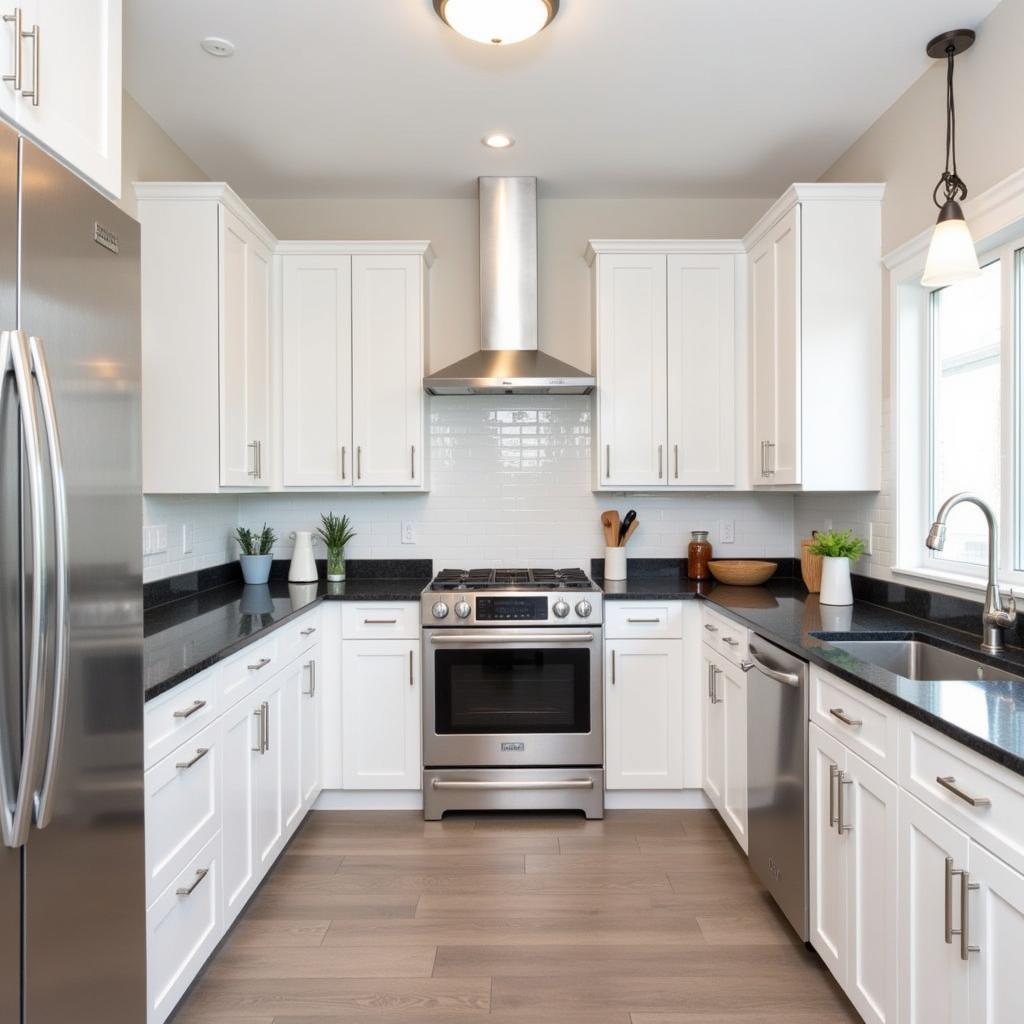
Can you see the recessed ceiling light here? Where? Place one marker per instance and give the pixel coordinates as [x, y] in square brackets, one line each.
[498, 140]
[217, 47]
[499, 22]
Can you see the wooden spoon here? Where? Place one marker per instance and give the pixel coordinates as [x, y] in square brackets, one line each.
[610, 522]
[631, 529]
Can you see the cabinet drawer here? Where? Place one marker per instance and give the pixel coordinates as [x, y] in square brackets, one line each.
[996, 821]
[182, 928]
[246, 671]
[182, 808]
[377, 620]
[173, 717]
[723, 635]
[868, 726]
[643, 620]
[294, 638]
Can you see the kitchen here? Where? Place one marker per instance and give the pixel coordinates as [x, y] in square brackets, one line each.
[567, 575]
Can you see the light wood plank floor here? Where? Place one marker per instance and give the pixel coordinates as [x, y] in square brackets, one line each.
[646, 917]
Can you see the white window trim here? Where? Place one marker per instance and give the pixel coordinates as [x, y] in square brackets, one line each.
[996, 218]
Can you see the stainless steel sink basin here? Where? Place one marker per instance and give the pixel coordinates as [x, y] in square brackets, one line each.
[917, 659]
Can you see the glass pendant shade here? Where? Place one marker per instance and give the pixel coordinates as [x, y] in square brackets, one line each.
[498, 22]
[951, 255]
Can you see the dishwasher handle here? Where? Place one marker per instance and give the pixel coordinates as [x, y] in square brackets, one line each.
[789, 678]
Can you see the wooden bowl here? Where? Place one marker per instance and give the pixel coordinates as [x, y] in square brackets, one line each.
[742, 572]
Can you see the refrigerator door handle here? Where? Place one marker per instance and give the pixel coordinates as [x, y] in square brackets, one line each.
[17, 816]
[58, 490]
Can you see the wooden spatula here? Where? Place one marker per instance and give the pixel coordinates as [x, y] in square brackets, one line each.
[610, 522]
[630, 530]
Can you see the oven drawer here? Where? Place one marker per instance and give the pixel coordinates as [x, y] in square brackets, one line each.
[643, 620]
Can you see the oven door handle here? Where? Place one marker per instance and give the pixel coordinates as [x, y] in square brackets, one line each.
[504, 638]
[528, 784]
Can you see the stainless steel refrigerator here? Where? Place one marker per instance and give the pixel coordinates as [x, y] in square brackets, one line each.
[72, 863]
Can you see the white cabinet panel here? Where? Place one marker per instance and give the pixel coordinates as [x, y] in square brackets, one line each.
[269, 772]
[317, 356]
[731, 687]
[293, 682]
[701, 370]
[380, 714]
[309, 727]
[239, 732]
[644, 714]
[387, 369]
[714, 734]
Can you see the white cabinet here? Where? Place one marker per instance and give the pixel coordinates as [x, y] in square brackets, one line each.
[643, 714]
[665, 339]
[316, 340]
[310, 717]
[269, 770]
[380, 714]
[730, 689]
[814, 270]
[69, 95]
[714, 734]
[240, 734]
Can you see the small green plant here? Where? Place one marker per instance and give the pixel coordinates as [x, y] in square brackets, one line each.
[335, 532]
[838, 544]
[252, 542]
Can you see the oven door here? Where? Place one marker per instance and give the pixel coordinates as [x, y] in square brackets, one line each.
[512, 697]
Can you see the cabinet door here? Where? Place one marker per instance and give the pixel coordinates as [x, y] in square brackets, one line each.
[317, 353]
[631, 358]
[827, 852]
[714, 735]
[380, 714]
[870, 810]
[644, 714]
[731, 689]
[387, 370]
[293, 683]
[239, 739]
[934, 980]
[269, 772]
[76, 60]
[701, 371]
[309, 726]
[996, 922]
[762, 356]
[244, 355]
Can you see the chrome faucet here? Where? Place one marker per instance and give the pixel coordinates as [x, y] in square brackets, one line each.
[995, 618]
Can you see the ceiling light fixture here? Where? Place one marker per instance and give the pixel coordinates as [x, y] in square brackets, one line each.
[217, 47]
[499, 22]
[951, 255]
[498, 140]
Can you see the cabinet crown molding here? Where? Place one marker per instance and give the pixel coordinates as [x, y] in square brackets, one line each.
[600, 246]
[333, 247]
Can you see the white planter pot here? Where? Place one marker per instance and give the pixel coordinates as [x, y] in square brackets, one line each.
[835, 581]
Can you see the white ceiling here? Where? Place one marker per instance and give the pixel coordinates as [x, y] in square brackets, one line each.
[615, 98]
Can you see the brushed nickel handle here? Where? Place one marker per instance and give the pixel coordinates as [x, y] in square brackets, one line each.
[254, 472]
[379, 622]
[201, 752]
[189, 889]
[311, 665]
[496, 785]
[715, 673]
[764, 470]
[342, 462]
[948, 916]
[412, 462]
[567, 639]
[710, 628]
[266, 726]
[731, 641]
[711, 669]
[675, 449]
[607, 460]
[770, 445]
[196, 705]
[948, 782]
[412, 677]
[841, 803]
[655, 620]
[259, 460]
[844, 718]
[747, 665]
[966, 888]
[15, 78]
[359, 463]
[613, 666]
[33, 93]
[258, 713]
[833, 774]
[660, 456]
[307, 632]
[262, 663]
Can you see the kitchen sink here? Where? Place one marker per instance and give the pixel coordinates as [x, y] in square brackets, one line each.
[918, 659]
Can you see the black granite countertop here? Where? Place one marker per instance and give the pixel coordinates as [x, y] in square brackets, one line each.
[187, 636]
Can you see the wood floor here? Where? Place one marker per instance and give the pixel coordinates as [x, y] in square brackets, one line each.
[647, 917]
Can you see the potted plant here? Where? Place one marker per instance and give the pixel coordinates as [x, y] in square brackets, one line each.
[336, 533]
[838, 548]
[256, 552]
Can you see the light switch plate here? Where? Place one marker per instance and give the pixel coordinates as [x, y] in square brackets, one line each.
[408, 531]
[727, 531]
[159, 539]
[188, 538]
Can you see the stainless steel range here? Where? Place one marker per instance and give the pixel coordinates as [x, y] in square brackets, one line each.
[512, 695]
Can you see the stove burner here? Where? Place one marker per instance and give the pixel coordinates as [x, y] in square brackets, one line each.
[510, 579]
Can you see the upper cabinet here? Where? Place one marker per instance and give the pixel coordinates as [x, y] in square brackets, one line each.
[62, 82]
[815, 328]
[666, 354]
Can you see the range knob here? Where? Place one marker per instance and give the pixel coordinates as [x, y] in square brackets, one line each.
[462, 609]
[440, 610]
[583, 609]
[560, 608]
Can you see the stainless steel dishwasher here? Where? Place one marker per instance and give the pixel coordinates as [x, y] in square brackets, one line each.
[777, 777]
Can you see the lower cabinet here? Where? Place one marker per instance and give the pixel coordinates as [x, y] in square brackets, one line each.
[643, 714]
[310, 717]
[269, 771]
[725, 741]
[714, 737]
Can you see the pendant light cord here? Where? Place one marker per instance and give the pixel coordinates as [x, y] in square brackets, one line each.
[950, 181]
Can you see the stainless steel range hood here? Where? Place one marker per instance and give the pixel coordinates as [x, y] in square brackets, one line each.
[509, 362]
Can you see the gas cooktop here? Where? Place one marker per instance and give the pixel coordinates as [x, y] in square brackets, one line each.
[512, 579]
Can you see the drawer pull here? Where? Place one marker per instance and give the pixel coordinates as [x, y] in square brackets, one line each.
[710, 628]
[201, 752]
[311, 692]
[655, 621]
[197, 705]
[308, 632]
[189, 889]
[949, 782]
[841, 803]
[833, 774]
[262, 663]
[380, 622]
[844, 718]
[730, 641]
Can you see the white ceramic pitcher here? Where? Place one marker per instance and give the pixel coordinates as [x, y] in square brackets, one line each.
[303, 565]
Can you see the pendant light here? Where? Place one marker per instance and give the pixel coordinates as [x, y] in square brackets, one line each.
[498, 22]
[951, 255]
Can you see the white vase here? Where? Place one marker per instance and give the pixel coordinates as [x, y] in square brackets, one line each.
[303, 565]
[835, 581]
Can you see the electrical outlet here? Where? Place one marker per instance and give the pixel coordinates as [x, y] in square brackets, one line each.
[869, 547]
[147, 541]
[159, 540]
[727, 531]
[188, 537]
[408, 531]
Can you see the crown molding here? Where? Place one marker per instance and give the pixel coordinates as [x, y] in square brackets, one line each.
[813, 192]
[332, 247]
[669, 246]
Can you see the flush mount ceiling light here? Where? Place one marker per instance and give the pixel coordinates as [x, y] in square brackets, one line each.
[217, 47]
[498, 140]
[951, 255]
[499, 22]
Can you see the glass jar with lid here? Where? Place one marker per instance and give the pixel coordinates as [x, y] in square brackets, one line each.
[698, 555]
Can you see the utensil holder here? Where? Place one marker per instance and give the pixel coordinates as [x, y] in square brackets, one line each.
[614, 563]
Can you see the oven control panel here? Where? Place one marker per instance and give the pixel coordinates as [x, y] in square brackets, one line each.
[461, 608]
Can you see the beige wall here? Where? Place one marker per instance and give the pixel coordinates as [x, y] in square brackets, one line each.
[148, 153]
[564, 226]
